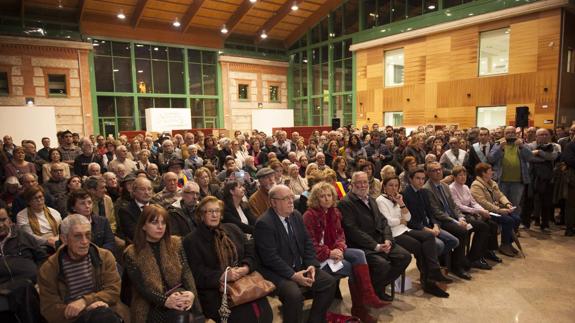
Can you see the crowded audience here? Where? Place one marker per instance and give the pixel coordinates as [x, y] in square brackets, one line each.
[148, 228]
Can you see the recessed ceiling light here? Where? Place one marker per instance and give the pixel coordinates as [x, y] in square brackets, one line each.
[176, 23]
[470, 14]
[264, 35]
[116, 70]
[140, 71]
[294, 7]
[253, 1]
[121, 15]
[60, 5]
[156, 48]
[431, 7]
[224, 30]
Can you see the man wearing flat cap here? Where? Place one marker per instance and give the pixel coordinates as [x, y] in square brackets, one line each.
[259, 201]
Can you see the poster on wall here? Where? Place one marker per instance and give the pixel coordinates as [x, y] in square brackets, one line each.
[17, 122]
[267, 119]
[166, 119]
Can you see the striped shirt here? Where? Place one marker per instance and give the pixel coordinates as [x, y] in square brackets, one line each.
[79, 277]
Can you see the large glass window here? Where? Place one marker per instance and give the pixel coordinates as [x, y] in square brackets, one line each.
[393, 119]
[491, 117]
[131, 77]
[394, 67]
[57, 85]
[4, 83]
[494, 52]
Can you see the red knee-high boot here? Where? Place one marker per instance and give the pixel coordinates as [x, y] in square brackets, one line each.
[358, 309]
[363, 281]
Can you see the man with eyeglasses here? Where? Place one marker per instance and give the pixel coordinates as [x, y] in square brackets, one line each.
[450, 218]
[129, 214]
[288, 259]
[182, 211]
[367, 229]
[259, 201]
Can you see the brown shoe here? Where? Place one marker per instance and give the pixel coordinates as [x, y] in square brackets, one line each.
[507, 250]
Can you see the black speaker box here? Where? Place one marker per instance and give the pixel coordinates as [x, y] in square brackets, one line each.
[335, 123]
[522, 117]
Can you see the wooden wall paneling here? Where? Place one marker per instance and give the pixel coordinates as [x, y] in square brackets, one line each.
[415, 63]
[393, 98]
[491, 91]
[523, 47]
[521, 87]
[463, 55]
[545, 80]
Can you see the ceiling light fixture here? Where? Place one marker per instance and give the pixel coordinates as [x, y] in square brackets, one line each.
[294, 7]
[121, 15]
[224, 30]
[60, 4]
[431, 7]
[253, 1]
[264, 35]
[176, 23]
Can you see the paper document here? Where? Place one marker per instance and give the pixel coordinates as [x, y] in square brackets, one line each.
[334, 266]
[494, 214]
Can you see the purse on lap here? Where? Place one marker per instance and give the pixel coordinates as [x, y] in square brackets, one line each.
[247, 289]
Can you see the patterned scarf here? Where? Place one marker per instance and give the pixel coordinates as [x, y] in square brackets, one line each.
[225, 248]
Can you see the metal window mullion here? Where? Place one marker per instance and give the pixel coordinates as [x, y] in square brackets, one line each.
[134, 87]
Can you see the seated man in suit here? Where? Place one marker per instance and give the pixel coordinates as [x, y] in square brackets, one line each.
[417, 201]
[129, 214]
[446, 212]
[288, 259]
[367, 229]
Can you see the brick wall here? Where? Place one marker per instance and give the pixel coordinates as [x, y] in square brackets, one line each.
[259, 75]
[28, 62]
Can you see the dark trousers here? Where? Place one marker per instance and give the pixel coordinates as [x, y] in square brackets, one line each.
[570, 208]
[384, 268]
[543, 208]
[422, 245]
[98, 315]
[458, 255]
[23, 300]
[527, 206]
[492, 243]
[292, 296]
[480, 238]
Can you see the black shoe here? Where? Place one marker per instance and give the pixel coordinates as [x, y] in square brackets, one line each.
[462, 274]
[432, 289]
[490, 255]
[481, 264]
[506, 249]
[569, 232]
[386, 298]
[440, 278]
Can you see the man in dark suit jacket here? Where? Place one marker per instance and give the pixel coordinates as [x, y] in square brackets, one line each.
[417, 201]
[478, 153]
[446, 212]
[367, 229]
[288, 259]
[129, 214]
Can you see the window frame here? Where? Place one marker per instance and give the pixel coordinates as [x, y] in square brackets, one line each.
[278, 93]
[56, 72]
[247, 85]
[479, 73]
[385, 79]
[478, 108]
[8, 92]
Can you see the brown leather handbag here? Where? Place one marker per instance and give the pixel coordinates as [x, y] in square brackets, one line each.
[248, 288]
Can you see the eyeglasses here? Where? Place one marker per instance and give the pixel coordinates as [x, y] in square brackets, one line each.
[436, 170]
[212, 211]
[285, 198]
[192, 192]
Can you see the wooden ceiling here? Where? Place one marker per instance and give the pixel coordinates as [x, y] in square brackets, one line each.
[201, 19]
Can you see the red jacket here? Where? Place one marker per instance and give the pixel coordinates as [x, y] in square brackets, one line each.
[318, 223]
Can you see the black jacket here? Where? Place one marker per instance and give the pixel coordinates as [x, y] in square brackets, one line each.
[273, 246]
[128, 216]
[231, 215]
[20, 257]
[182, 220]
[418, 205]
[200, 250]
[364, 227]
[102, 235]
[81, 163]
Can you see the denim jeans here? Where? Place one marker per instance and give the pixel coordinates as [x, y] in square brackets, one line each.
[513, 191]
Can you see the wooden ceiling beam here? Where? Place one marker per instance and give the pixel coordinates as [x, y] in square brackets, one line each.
[190, 13]
[237, 16]
[82, 4]
[138, 12]
[276, 18]
[323, 11]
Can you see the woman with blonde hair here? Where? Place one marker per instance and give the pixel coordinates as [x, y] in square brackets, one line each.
[163, 287]
[323, 222]
[204, 177]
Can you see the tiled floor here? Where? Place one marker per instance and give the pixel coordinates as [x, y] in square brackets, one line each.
[539, 288]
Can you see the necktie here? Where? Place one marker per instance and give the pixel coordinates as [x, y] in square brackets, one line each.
[484, 150]
[422, 203]
[290, 232]
[446, 207]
